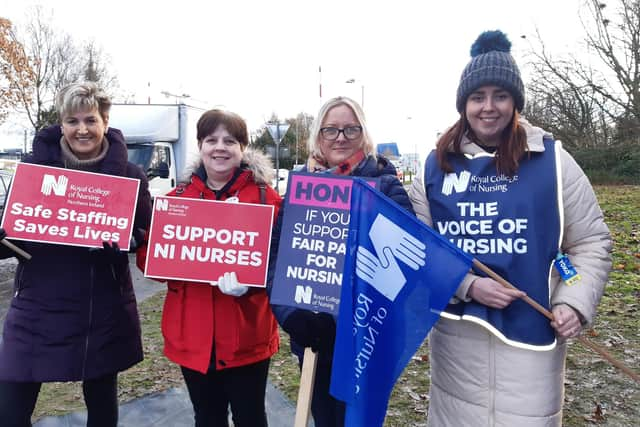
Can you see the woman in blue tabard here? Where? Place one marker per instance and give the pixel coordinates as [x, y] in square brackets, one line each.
[507, 193]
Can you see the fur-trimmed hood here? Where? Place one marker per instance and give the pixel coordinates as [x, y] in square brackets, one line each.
[255, 161]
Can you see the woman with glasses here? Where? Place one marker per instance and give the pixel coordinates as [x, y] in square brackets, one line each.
[339, 144]
[494, 359]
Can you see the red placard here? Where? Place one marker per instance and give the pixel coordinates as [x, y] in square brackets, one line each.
[70, 207]
[199, 240]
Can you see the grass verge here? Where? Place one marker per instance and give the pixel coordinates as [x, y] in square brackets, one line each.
[595, 393]
[154, 373]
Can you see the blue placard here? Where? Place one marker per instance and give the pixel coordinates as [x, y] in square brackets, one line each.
[312, 246]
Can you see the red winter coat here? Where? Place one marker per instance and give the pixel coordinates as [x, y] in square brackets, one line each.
[198, 319]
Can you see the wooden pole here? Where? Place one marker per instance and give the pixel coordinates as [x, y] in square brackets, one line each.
[305, 392]
[16, 249]
[584, 341]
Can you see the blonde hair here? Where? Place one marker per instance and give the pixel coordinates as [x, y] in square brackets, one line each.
[82, 96]
[313, 144]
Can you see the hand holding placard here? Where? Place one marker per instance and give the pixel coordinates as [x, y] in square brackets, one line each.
[3, 235]
[228, 284]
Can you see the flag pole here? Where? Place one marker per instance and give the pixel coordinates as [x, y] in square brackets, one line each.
[584, 341]
[16, 249]
[305, 392]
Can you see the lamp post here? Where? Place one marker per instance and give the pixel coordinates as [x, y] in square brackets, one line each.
[352, 80]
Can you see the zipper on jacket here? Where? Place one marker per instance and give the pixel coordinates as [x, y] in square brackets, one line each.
[18, 280]
[86, 340]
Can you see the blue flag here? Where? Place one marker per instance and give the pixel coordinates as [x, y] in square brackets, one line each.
[399, 275]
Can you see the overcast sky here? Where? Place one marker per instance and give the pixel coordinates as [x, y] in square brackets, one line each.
[262, 57]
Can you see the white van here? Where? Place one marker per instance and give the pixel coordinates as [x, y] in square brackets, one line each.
[161, 139]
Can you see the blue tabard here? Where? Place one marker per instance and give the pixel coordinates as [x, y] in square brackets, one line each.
[510, 224]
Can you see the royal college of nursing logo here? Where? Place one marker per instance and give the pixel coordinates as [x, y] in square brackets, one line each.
[453, 181]
[303, 294]
[49, 184]
[162, 205]
[391, 243]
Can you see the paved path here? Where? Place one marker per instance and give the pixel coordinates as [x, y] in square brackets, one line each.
[170, 408]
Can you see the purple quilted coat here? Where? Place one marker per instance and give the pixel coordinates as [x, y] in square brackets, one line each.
[73, 315]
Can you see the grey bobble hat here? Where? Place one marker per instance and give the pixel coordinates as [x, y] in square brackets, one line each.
[491, 64]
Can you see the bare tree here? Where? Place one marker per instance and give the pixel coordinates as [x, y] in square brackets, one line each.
[94, 67]
[56, 60]
[560, 104]
[588, 103]
[41, 45]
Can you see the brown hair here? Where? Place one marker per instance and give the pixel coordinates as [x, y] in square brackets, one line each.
[508, 153]
[233, 123]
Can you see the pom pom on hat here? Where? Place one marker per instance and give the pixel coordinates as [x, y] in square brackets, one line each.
[491, 64]
[490, 41]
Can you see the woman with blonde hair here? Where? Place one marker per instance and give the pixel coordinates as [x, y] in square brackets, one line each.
[73, 315]
[339, 144]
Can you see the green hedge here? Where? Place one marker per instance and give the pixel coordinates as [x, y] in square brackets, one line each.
[614, 164]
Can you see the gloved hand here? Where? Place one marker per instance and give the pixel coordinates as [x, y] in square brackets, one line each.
[112, 251]
[18, 252]
[111, 254]
[309, 329]
[137, 239]
[228, 284]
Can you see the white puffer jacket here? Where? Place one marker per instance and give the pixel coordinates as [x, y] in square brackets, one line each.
[476, 379]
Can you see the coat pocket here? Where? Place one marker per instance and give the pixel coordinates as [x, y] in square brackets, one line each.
[173, 317]
[255, 323]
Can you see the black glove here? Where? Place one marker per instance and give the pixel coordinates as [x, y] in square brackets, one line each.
[309, 329]
[18, 255]
[112, 251]
[111, 255]
[137, 239]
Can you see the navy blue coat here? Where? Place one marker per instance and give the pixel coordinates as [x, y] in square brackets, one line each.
[389, 185]
[73, 317]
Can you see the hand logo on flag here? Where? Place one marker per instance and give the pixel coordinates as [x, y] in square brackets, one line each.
[379, 327]
[390, 242]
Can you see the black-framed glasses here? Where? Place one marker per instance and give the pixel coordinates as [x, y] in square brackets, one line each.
[350, 132]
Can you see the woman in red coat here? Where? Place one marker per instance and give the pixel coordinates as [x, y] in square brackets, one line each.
[223, 336]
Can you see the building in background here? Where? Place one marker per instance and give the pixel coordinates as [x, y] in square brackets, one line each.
[412, 162]
[391, 151]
